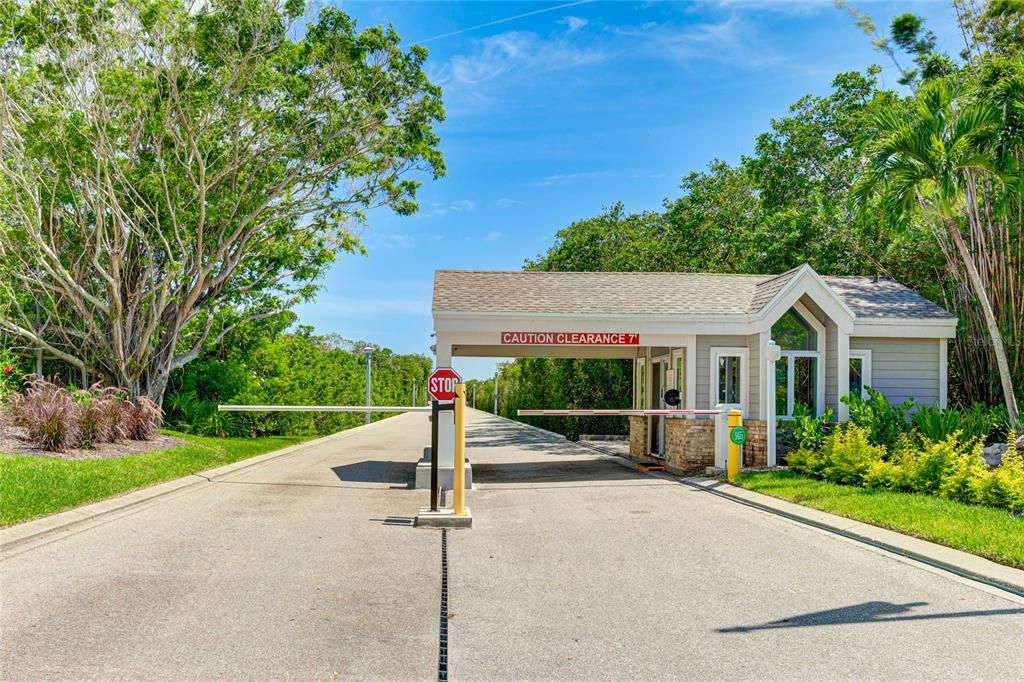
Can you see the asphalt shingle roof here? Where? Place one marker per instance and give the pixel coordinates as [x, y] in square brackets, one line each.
[657, 293]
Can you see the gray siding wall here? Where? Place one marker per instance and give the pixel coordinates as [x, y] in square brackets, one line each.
[703, 364]
[903, 368]
[831, 366]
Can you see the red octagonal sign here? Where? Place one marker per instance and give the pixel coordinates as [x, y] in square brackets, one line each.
[441, 383]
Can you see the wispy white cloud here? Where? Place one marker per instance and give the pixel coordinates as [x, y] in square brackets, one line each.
[776, 6]
[457, 206]
[566, 178]
[573, 24]
[519, 52]
[493, 236]
[398, 241]
[505, 202]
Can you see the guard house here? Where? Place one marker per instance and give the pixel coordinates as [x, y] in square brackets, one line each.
[711, 337]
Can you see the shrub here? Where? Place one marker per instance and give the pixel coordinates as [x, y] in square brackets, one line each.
[886, 475]
[806, 430]
[139, 417]
[57, 417]
[802, 460]
[47, 412]
[848, 455]
[11, 374]
[935, 423]
[965, 475]
[990, 423]
[884, 422]
[932, 464]
[1004, 485]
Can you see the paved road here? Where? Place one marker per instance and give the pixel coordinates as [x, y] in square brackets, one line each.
[576, 568]
[284, 571]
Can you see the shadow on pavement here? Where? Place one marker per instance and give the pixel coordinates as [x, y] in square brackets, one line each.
[377, 471]
[538, 471]
[868, 612]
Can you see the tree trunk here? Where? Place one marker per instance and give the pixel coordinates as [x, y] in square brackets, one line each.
[990, 320]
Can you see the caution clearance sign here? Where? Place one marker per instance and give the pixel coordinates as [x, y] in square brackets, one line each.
[570, 339]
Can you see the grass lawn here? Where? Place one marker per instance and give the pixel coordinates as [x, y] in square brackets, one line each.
[991, 533]
[36, 486]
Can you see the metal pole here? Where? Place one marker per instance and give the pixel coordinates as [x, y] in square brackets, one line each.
[434, 414]
[413, 392]
[474, 396]
[369, 354]
[495, 393]
[459, 473]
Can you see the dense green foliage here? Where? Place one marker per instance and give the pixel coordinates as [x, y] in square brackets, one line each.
[566, 384]
[821, 187]
[992, 533]
[169, 169]
[298, 368]
[36, 486]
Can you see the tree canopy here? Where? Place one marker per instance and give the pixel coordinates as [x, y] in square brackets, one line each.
[169, 170]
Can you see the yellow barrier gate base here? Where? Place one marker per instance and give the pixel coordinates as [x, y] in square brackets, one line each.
[733, 463]
[459, 504]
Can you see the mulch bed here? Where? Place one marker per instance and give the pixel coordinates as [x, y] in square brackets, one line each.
[13, 441]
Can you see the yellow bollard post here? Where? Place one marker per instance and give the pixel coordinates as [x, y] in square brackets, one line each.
[737, 436]
[460, 450]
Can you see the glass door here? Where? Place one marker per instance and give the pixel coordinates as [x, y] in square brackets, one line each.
[656, 423]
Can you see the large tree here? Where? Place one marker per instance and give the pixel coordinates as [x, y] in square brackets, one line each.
[929, 158]
[169, 168]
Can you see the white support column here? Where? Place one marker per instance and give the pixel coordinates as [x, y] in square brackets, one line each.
[843, 377]
[770, 352]
[766, 367]
[943, 373]
[691, 372]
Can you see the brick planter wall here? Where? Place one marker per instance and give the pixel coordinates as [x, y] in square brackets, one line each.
[638, 438]
[689, 445]
[755, 450]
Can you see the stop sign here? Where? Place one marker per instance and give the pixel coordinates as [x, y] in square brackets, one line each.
[441, 383]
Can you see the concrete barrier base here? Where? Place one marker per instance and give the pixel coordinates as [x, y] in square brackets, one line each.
[445, 475]
[443, 518]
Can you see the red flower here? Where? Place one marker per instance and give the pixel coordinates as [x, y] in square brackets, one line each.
[8, 369]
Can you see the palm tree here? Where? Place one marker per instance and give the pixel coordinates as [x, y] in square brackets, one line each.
[929, 157]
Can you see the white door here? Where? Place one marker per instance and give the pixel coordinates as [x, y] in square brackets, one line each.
[729, 386]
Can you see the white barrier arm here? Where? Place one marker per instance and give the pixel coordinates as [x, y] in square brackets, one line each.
[321, 408]
[608, 413]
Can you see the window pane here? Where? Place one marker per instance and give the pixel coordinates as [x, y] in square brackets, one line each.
[805, 382]
[728, 379]
[857, 376]
[680, 382]
[782, 387]
[792, 332]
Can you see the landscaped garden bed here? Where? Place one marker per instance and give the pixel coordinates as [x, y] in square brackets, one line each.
[61, 447]
[916, 470]
[992, 533]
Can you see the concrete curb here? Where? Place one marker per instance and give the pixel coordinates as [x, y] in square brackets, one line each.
[28, 534]
[954, 561]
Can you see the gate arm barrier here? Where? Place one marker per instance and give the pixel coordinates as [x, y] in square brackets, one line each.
[322, 408]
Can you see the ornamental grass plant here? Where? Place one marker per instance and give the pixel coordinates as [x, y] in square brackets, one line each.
[56, 417]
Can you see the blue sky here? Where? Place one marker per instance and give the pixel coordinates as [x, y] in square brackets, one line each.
[554, 115]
